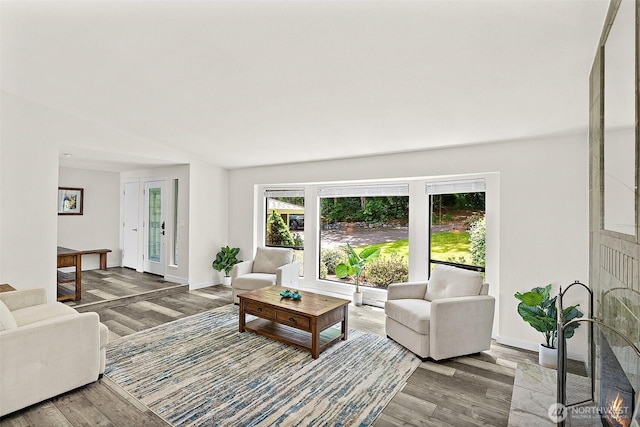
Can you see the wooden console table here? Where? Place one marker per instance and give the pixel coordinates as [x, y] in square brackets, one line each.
[73, 258]
[6, 288]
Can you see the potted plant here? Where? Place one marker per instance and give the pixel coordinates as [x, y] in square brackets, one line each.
[225, 260]
[354, 267]
[537, 308]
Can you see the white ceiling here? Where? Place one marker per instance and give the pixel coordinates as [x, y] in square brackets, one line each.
[246, 83]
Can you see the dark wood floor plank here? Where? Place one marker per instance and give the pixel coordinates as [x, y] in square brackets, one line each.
[46, 414]
[117, 408]
[456, 419]
[459, 399]
[80, 411]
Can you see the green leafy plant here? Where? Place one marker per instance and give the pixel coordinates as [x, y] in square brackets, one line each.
[226, 259]
[538, 308]
[356, 263]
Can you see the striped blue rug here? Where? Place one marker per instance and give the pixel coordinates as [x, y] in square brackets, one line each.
[201, 371]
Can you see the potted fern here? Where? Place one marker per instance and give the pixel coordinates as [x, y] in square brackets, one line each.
[538, 308]
[354, 267]
[224, 262]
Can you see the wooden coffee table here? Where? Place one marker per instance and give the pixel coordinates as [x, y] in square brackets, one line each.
[305, 323]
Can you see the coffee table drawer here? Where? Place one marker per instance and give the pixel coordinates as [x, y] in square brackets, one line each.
[264, 311]
[300, 322]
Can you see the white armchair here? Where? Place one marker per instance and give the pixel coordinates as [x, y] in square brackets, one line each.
[46, 348]
[450, 315]
[271, 266]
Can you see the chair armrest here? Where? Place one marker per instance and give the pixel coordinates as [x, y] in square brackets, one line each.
[15, 300]
[288, 275]
[461, 325]
[407, 290]
[241, 268]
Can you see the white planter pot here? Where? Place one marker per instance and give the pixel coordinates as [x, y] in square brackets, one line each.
[226, 280]
[357, 298]
[547, 357]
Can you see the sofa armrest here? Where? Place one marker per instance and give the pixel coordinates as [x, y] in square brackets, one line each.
[288, 275]
[407, 290]
[461, 325]
[47, 358]
[241, 268]
[15, 300]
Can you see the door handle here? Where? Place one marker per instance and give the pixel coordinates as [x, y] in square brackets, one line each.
[134, 229]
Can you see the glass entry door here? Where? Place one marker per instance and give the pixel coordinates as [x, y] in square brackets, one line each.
[154, 227]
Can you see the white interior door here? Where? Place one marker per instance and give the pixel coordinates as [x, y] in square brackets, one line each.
[130, 225]
[155, 227]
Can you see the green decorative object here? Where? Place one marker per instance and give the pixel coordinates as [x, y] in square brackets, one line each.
[539, 310]
[294, 295]
[356, 263]
[286, 294]
[226, 259]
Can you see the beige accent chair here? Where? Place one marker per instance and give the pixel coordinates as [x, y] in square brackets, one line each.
[46, 348]
[271, 266]
[450, 315]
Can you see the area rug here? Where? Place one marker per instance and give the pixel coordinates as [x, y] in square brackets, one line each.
[201, 371]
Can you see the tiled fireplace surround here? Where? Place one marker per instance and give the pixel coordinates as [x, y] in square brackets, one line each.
[614, 275]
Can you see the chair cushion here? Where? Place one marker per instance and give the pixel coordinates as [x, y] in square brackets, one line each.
[254, 281]
[36, 313]
[7, 321]
[450, 282]
[412, 313]
[268, 260]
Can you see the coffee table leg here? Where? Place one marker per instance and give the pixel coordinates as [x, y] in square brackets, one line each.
[345, 323]
[315, 339]
[241, 317]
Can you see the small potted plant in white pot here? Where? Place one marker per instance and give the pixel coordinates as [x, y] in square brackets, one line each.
[539, 310]
[354, 267]
[224, 262]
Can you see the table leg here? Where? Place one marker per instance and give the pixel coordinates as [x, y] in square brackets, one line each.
[345, 323]
[103, 261]
[315, 339]
[78, 277]
[241, 317]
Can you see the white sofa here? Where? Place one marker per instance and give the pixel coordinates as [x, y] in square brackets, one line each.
[46, 348]
[271, 266]
[450, 315]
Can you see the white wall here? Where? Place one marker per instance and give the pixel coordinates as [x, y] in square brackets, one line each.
[98, 226]
[542, 218]
[208, 221]
[28, 231]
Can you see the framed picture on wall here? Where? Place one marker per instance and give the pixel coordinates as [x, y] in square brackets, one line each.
[70, 201]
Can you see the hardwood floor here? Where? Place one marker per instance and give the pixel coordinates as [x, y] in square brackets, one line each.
[473, 390]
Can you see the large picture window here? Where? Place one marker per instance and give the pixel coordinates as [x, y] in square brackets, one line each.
[284, 221]
[364, 216]
[457, 224]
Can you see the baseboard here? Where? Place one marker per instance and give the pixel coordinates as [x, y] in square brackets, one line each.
[193, 287]
[526, 345]
[176, 279]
